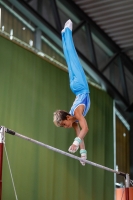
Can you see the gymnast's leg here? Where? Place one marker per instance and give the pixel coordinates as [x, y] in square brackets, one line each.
[78, 82]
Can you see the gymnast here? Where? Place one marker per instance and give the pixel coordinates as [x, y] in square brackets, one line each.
[79, 86]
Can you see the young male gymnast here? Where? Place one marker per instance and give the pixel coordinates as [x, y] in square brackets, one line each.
[79, 86]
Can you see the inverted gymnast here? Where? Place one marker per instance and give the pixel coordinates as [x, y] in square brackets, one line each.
[79, 86]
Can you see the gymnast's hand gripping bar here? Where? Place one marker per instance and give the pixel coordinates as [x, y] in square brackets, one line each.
[125, 175]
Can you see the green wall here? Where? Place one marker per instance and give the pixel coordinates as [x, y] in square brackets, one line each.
[31, 89]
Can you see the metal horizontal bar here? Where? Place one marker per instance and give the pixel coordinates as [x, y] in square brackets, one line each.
[63, 152]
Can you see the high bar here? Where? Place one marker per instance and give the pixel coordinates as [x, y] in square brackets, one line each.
[9, 131]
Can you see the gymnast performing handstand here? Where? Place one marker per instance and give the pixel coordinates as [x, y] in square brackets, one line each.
[79, 86]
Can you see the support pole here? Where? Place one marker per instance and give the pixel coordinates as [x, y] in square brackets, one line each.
[127, 181]
[127, 185]
[2, 139]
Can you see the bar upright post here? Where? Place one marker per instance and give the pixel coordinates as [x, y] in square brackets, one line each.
[127, 185]
[2, 139]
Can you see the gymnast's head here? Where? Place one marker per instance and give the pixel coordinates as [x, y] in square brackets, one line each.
[62, 118]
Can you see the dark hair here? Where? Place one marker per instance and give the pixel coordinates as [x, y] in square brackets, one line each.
[59, 116]
[63, 114]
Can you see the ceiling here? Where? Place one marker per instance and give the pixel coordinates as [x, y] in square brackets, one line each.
[115, 18]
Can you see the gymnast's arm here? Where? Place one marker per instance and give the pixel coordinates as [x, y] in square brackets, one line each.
[82, 121]
[83, 124]
[77, 130]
